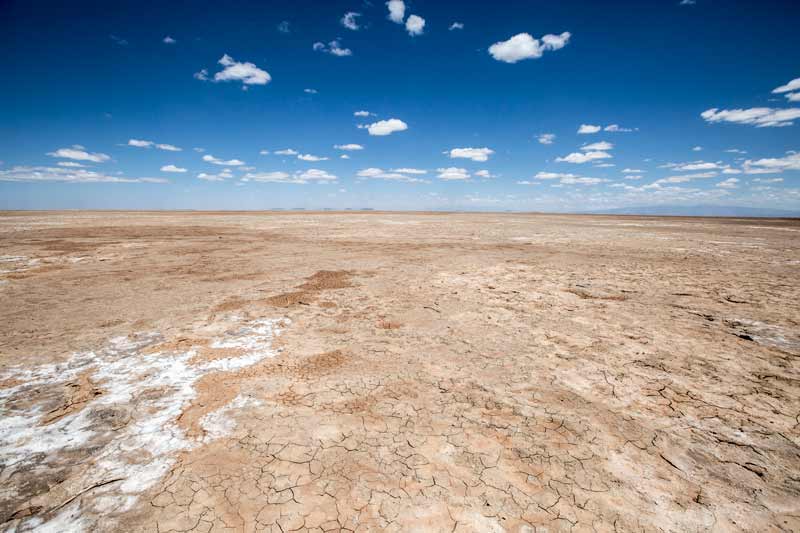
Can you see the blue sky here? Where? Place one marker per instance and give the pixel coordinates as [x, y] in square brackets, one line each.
[471, 105]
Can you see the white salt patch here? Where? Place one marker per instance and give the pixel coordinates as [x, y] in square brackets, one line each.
[153, 388]
[221, 422]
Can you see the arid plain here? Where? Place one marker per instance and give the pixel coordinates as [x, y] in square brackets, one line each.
[299, 371]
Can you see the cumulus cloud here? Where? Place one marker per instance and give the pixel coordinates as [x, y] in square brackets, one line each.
[760, 117]
[312, 175]
[363, 114]
[524, 46]
[247, 73]
[348, 147]
[729, 183]
[334, 48]
[632, 171]
[583, 157]
[229, 163]
[485, 174]
[792, 86]
[410, 170]
[201, 75]
[349, 20]
[385, 127]
[564, 179]
[139, 143]
[172, 168]
[598, 146]
[774, 164]
[222, 176]
[397, 10]
[475, 154]
[70, 164]
[695, 165]
[546, 138]
[456, 26]
[616, 128]
[67, 175]
[452, 174]
[399, 174]
[79, 153]
[169, 40]
[697, 149]
[309, 157]
[553, 175]
[415, 25]
[588, 128]
[287, 151]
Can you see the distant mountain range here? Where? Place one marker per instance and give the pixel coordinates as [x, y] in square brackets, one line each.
[700, 211]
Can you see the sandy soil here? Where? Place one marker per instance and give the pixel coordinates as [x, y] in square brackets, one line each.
[398, 372]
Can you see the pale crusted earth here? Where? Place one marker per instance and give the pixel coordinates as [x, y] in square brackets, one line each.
[398, 372]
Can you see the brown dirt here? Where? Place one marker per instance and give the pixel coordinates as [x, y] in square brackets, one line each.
[451, 372]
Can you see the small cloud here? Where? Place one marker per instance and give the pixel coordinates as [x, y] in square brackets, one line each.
[687, 2]
[79, 153]
[485, 174]
[395, 175]
[598, 146]
[583, 157]
[415, 25]
[475, 154]
[363, 114]
[172, 168]
[309, 157]
[199, 150]
[168, 40]
[546, 138]
[247, 73]
[344, 156]
[333, 48]
[348, 147]
[283, 26]
[349, 20]
[397, 10]
[118, 40]
[588, 129]
[286, 151]
[263, 152]
[524, 46]
[70, 164]
[730, 183]
[614, 128]
[697, 149]
[310, 91]
[201, 75]
[385, 127]
[456, 26]
[139, 143]
[452, 174]
[229, 163]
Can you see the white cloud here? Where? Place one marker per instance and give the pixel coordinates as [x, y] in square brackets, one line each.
[598, 146]
[334, 48]
[67, 175]
[553, 176]
[70, 164]
[546, 138]
[410, 170]
[349, 20]
[263, 152]
[394, 175]
[582, 181]
[768, 180]
[687, 2]
[344, 156]
[397, 10]
[588, 129]
[201, 75]
[287, 151]
[632, 177]
[564, 179]
[736, 151]
[139, 143]
[385, 127]
[414, 25]
[614, 128]
[793, 97]
[761, 117]
[312, 175]
[169, 40]
[79, 153]
[729, 183]
[583, 157]
[697, 149]
[348, 147]
[222, 176]
[456, 26]
[229, 163]
[524, 46]
[310, 91]
[247, 73]
[476, 154]
[452, 174]
[284, 26]
[309, 157]
[172, 168]
[695, 165]
[774, 164]
[792, 86]
[632, 171]
[485, 174]
[363, 114]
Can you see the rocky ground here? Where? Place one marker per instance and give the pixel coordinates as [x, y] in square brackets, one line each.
[398, 372]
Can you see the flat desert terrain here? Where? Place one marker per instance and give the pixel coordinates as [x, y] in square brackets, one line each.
[302, 371]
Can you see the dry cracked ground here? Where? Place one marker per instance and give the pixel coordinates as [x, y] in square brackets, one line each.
[304, 371]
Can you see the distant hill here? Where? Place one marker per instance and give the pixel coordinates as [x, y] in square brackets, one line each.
[700, 211]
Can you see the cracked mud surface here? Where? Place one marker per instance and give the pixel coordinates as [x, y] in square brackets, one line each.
[398, 372]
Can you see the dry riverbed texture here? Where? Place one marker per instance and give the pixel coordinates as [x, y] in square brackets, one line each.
[398, 372]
